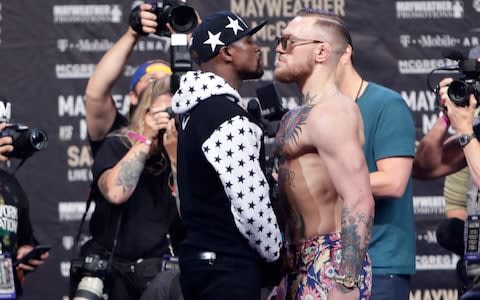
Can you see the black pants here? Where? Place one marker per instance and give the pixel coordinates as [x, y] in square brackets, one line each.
[165, 286]
[129, 279]
[226, 277]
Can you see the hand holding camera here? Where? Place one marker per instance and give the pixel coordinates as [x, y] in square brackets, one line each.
[156, 121]
[143, 19]
[170, 140]
[5, 144]
[25, 140]
[163, 17]
[461, 117]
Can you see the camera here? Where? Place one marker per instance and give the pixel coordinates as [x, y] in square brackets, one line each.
[171, 115]
[88, 277]
[26, 141]
[176, 12]
[460, 90]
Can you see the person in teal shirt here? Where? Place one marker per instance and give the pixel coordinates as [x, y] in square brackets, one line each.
[389, 149]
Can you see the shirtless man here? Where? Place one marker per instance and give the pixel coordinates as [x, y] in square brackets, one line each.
[323, 178]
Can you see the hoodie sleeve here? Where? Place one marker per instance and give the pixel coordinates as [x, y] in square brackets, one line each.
[233, 149]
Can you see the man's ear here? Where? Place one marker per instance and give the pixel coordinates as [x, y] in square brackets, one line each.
[225, 54]
[322, 52]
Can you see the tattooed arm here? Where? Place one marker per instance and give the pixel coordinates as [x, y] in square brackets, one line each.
[336, 132]
[118, 183]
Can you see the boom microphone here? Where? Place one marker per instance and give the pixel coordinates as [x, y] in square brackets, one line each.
[253, 108]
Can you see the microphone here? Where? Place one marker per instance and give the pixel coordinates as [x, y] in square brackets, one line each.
[254, 109]
[450, 235]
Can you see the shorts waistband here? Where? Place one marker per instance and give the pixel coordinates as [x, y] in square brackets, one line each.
[329, 240]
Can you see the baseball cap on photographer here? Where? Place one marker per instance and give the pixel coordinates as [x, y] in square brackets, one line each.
[149, 67]
[220, 29]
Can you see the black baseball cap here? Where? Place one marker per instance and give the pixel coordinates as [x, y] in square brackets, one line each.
[220, 29]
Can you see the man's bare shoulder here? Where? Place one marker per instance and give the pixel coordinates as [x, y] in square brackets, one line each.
[337, 116]
[333, 109]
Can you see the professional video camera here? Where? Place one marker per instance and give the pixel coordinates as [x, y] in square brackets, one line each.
[459, 90]
[26, 141]
[88, 277]
[176, 12]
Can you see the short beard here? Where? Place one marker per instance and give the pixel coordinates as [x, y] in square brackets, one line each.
[284, 76]
[258, 73]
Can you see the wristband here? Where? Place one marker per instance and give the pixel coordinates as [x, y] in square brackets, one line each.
[445, 120]
[139, 138]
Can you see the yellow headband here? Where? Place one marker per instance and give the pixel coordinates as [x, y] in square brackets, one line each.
[158, 68]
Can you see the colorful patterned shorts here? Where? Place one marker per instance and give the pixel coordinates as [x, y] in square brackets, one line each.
[313, 263]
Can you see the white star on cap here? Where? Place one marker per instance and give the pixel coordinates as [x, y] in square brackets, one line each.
[234, 25]
[213, 40]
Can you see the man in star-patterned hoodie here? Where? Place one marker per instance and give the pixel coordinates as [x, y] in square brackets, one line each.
[224, 195]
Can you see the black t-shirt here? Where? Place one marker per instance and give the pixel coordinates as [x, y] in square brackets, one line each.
[15, 226]
[119, 122]
[147, 215]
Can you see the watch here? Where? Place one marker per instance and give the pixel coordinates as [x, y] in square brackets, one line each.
[348, 281]
[464, 139]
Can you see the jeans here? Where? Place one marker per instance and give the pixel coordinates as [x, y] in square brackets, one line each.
[390, 286]
[222, 278]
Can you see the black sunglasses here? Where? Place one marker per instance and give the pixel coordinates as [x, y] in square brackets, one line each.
[288, 43]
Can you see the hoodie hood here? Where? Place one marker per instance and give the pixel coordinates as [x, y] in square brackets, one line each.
[197, 86]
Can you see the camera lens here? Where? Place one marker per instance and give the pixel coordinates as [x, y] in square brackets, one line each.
[183, 19]
[89, 288]
[38, 139]
[458, 92]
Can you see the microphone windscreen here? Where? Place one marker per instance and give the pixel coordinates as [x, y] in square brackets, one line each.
[253, 107]
[450, 235]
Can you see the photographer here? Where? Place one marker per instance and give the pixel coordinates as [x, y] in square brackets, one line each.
[101, 114]
[135, 210]
[16, 240]
[438, 156]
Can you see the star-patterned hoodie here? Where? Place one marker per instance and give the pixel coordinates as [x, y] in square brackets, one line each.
[224, 194]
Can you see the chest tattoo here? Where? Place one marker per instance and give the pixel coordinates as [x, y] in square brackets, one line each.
[291, 125]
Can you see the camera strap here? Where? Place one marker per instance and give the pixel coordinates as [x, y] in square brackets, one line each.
[91, 195]
[18, 166]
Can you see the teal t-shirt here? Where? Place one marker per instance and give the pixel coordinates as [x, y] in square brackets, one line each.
[389, 132]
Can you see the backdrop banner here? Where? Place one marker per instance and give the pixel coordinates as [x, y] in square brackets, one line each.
[49, 49]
